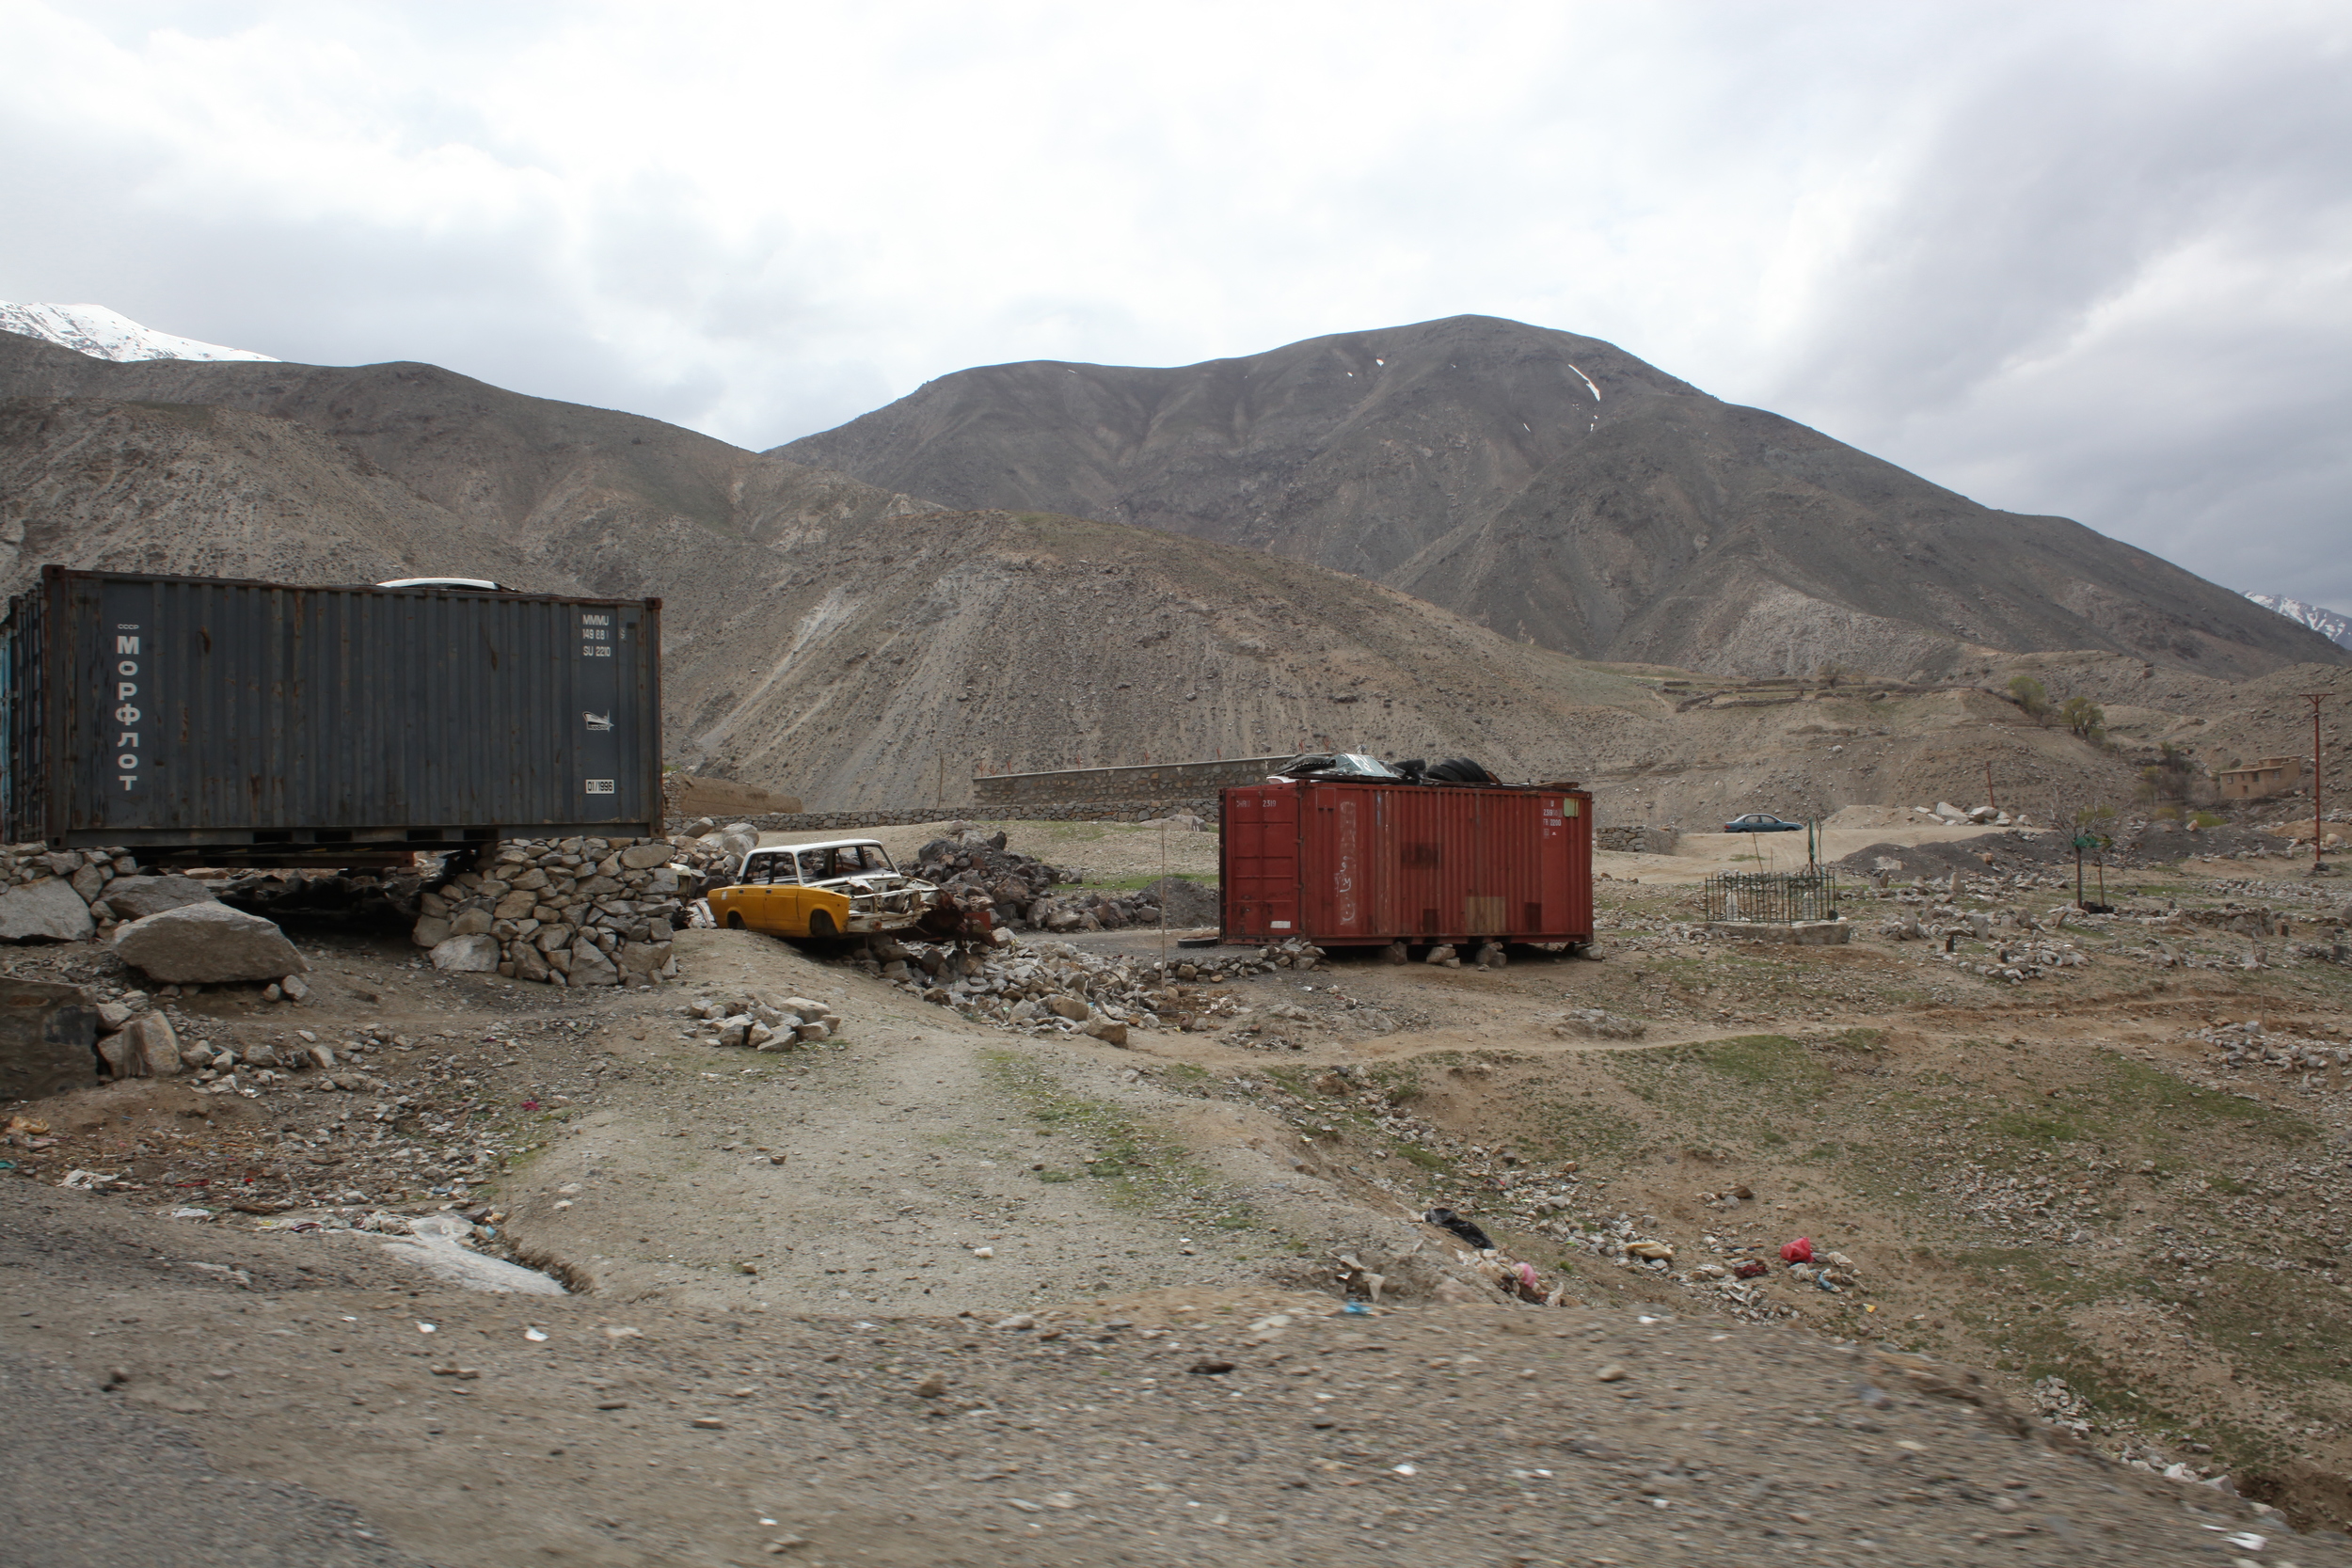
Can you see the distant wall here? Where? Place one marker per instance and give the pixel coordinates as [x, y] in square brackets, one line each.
[1637, 839]
[1151, 782]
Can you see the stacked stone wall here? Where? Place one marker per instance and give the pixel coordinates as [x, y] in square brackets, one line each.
[57, 895]
[1636, 839]
[573, 912]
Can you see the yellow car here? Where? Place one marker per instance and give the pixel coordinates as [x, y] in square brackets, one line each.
[843, 887]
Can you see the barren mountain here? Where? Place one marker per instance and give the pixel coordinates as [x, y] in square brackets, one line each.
[835, 641]
[823, 637]
[1005, 643]
[1559, 490]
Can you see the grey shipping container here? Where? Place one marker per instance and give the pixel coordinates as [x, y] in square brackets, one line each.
[220, 721]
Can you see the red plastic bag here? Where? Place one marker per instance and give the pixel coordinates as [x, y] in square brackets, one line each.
[1798, 1251]
[1749, 1269]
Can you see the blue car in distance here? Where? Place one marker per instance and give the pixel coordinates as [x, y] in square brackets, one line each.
[1762, 822]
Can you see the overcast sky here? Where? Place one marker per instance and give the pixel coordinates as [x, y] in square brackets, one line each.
[2091, 259]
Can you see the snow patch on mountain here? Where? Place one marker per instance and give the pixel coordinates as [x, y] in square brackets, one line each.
[103, 334]
[2333, 625]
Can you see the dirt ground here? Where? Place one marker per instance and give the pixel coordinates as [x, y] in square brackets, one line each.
[2075, 1197]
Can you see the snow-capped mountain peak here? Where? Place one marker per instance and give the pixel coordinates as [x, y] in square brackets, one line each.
[2333, 625]
[103, 334]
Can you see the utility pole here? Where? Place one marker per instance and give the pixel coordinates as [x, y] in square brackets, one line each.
[2318, 833]
[1988, 785]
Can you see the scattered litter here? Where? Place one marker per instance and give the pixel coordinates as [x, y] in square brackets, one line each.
[1446, 1219]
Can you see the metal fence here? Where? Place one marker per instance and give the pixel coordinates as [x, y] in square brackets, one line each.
[1771, 897]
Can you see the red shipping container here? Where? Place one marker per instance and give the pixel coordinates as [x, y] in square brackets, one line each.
[1351, 863]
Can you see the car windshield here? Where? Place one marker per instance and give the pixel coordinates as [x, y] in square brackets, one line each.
[844, 859]
[770, 869]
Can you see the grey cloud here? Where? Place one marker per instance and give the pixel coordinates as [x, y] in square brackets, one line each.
[2083, 266]
[2109, 288]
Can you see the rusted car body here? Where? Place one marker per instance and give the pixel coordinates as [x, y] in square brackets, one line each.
[843, 887]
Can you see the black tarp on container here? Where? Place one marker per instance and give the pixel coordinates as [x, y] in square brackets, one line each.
[248, 720]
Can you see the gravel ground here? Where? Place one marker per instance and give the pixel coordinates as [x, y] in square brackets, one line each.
[1142, 1431]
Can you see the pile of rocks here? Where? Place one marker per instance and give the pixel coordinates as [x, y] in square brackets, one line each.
[2249, 1045]
[1050, 986]
[169, 927]
[572, 911]
[1945, 812]
[47, 894]
[764, 1023]
[137, 1039]
[1016, 883]
[1019, 887]
[1597, 1024]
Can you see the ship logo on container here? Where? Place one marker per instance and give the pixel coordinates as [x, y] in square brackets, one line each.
[126, 712]
[598, 720]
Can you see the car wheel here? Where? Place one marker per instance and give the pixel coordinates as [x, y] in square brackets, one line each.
[734, 920]
[820, 924]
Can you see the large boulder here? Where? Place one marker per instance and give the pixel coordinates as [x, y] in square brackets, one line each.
[154, 1046]
[44, 910]
[207, 944]
[136, 897]
[475, 953]
[46, 1035]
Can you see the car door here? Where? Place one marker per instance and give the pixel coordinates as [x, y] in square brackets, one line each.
[785, 899]
[746, 897]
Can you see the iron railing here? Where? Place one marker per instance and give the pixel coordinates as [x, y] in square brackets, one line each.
[1771, 897]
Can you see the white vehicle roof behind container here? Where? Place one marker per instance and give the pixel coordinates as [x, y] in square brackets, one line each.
[478, 585]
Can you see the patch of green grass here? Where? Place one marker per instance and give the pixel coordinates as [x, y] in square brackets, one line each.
[2278, 1322]
[1417, 1155]
[1566, 1129]
[1140, 1167]
[1400, 1085]
[2030, 1127]
[1766, 1061]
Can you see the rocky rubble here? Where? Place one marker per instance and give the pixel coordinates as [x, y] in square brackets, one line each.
[763, 1022]
[1745, 1279]
[366, 1115]
[573, 912]
[1020, 889]
[1046, 987]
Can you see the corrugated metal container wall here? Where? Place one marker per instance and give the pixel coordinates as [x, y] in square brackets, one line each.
[153, 711]
[1359, 862]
